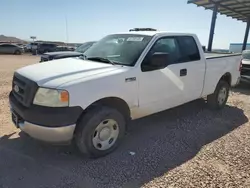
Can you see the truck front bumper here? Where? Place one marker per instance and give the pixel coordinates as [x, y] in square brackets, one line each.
[55, 125]
[47, 134]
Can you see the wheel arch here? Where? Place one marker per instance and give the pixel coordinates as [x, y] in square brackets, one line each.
[227, 77]
[113, 102]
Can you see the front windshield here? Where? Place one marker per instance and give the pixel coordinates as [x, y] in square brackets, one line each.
[84, 47]
[122, 49]
[246, 55]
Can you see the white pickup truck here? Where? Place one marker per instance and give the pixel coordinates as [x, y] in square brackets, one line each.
[123, 76]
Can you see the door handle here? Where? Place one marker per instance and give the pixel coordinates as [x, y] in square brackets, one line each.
[183, 72]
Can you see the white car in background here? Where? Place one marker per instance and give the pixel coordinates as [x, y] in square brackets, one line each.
[245, 69]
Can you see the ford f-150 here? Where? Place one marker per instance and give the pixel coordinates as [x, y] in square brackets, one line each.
[123, 76]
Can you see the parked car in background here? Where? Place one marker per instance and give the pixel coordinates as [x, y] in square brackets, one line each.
[64, 48]
[65, 54]
[19, 44]
[72, 48]
[28, 47]
[91, 99]
[245, 69]
[33, 46]
[24, 46]
[11, 49]
[82, 48]
[46, 47]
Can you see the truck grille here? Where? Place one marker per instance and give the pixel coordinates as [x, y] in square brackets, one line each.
[245, 70]
[23, 89]
[245, 66]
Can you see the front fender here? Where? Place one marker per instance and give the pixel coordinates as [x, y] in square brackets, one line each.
[86, 93]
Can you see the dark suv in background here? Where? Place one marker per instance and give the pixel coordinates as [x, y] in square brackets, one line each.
[46, 47]
[64, 54]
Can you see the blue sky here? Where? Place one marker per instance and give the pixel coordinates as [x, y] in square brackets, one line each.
[93, 19]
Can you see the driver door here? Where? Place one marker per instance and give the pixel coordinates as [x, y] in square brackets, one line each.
[161, 89]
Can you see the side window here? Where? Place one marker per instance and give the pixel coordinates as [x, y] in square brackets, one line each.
[189, 49]
[167, 45]
[8, 46]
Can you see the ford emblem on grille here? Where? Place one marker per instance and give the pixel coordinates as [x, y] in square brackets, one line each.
[16, 88]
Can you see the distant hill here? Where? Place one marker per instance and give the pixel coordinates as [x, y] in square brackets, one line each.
[8, 39]
[4, 38]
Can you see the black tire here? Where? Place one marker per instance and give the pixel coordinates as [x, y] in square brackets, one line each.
[85, 130]
[17, 52]
[213, 99]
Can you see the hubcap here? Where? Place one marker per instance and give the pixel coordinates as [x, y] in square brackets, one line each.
[105, 134]
[222, 95]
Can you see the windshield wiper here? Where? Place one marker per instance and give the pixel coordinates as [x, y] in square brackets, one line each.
[102, 59]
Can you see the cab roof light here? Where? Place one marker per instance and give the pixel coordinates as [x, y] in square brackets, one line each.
[143, 29]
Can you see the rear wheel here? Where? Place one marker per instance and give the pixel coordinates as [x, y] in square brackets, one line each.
[218, 99]
[17, 52]
[100, 131]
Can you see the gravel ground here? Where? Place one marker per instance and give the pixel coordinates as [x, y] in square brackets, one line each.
[189, 146]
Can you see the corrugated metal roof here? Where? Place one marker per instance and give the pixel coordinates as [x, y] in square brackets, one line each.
[237, 9]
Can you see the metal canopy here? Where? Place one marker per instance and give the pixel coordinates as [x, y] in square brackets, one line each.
[237, 9]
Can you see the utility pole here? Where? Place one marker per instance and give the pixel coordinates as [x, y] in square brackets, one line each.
[67, 34]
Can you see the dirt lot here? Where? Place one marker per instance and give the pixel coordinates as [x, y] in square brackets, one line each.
[189, 146]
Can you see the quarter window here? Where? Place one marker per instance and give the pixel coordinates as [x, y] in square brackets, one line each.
[5, 45]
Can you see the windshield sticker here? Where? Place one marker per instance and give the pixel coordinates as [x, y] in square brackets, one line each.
[135, 39]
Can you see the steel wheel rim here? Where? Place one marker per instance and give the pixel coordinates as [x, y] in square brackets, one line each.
[222, 95]
[105, 134]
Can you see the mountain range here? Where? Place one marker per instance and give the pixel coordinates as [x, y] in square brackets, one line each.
[4, 38]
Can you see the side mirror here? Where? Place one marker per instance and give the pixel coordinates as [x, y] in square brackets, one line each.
[158, 60]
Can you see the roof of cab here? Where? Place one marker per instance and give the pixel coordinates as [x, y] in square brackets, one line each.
[152, 33]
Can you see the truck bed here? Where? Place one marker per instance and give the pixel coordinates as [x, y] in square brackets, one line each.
[212, 55]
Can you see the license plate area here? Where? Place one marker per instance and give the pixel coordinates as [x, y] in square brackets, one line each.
[16, 119]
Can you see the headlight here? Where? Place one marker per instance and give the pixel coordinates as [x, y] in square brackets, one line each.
[51, 97]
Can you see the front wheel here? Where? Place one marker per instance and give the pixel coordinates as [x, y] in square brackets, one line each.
[218, 99]
[100, 131]
[17, 52]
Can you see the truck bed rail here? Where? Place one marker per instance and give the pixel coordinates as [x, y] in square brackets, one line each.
[213, 55]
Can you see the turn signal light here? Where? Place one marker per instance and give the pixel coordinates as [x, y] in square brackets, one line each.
[64, 96]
